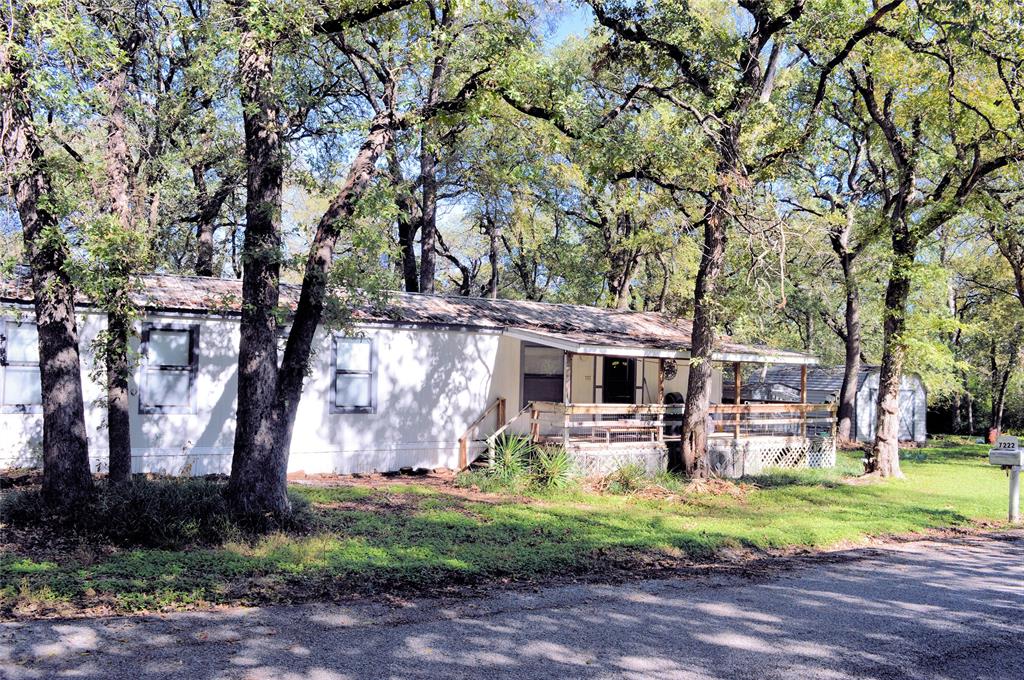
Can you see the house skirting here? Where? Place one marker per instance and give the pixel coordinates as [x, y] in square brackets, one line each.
[199, 461]
[731, 457]
[594, 460]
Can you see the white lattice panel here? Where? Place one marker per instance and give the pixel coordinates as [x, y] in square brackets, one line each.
[592, 462]
[751, 455]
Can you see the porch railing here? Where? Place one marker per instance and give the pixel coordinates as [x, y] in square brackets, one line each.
[604, 424]
[471, 435]
[773, 420]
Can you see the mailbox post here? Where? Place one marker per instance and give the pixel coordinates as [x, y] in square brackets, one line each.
[1010, 456]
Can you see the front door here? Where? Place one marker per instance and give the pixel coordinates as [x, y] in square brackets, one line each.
[619, 382]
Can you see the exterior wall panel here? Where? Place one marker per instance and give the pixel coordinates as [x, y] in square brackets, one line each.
[431, 384]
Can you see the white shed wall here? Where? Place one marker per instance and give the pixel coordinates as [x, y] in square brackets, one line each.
[915, 410]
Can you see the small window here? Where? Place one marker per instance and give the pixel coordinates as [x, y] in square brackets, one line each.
[354, 388]
[20, 384]
[170, 364]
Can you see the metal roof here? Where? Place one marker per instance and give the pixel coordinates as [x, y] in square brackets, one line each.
[824, 381]
[590, 330]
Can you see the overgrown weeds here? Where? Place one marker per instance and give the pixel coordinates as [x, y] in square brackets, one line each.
[151, 513]
[625, 479]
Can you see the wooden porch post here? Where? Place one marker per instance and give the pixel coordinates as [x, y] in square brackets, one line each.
[661, 381]
[566, 395]
[738, 384]
[803, 400]
[661, 399]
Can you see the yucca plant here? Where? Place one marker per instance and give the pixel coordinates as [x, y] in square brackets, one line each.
[509, 456]
[551, 467]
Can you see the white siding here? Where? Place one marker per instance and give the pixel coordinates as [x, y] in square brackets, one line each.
[431, 384]
[583, 374]
[680, 382]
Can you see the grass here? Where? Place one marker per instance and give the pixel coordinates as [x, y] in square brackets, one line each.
[415, 538]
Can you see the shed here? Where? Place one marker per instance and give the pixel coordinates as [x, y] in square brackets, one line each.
[781, 384]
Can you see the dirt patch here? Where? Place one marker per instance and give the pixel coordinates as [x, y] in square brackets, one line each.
[20, 478]
[441, 481]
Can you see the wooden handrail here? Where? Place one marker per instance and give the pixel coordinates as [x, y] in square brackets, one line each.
[501, 430]
[658, 409]
[770, 408]
[498, 404]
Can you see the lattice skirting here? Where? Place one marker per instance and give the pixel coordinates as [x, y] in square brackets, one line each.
[598, 461]
[751, 456]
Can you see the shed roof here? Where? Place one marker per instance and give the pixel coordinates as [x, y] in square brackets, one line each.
[823, 381]
[577, 328]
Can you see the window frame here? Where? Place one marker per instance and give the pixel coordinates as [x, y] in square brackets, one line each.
[146, 405]
[335, 372]
[5, 363]
[524, 376]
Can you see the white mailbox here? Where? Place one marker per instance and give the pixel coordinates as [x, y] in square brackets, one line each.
[1007, 452]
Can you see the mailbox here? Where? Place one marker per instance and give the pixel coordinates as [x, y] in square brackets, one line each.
[1007, 452]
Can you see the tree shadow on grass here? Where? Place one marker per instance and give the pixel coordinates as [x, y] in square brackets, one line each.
[950, 613]
[402, 543]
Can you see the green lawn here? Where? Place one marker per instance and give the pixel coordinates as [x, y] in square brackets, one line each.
[416, 539]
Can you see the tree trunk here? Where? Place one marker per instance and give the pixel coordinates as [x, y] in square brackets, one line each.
[253, 485]
[623, 261]
[970, 414]
[957, 424]
[494, 235]
[698, 391]
[884, 458]
[847, 413]
[428, 172]
[408, 214]
[66, 478]
[118, 370]
[406, 244]
[205, 225]
[695, 433]
[118, 303]
[428, 214]
[1000, 382]
[261, 482]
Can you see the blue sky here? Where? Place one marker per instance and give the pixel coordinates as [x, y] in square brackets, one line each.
[574, 20]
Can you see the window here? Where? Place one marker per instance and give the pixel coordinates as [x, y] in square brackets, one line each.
[543, 371]
[170, 363]
[20, 385]
[354, 388]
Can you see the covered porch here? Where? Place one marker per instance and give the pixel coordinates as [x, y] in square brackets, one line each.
[610, 405]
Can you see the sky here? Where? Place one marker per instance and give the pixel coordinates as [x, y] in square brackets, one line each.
[574, 20]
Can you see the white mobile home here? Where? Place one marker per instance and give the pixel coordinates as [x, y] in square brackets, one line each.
[420, 382]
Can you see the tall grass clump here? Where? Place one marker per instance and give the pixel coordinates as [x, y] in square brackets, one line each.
[626, 479]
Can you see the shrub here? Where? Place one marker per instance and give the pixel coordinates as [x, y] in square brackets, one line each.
[551, 467]
[148, 513]
[509, 457]
[628, 478]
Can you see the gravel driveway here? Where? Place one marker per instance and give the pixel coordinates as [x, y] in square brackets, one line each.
[931, 609]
